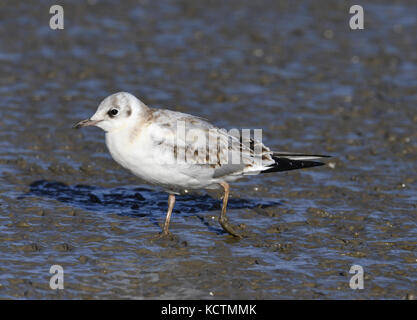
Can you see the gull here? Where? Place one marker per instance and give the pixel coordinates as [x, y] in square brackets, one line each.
[169, 149]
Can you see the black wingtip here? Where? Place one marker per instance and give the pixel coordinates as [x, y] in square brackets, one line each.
[284, 164]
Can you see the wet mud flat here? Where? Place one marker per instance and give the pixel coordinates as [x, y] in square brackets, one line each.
[295, 70]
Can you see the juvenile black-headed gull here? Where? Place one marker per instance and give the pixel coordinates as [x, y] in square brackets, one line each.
[178, 151]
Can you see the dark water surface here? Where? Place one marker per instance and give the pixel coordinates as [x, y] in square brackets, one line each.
[292, 68]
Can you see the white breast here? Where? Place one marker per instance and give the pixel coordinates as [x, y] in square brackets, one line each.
[151, 164]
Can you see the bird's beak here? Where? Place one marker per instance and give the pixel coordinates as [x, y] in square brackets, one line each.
[85, 123]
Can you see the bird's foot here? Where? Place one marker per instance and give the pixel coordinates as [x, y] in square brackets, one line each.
[165, 235]
[229, 228]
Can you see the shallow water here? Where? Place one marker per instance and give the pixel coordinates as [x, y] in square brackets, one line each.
[293, 69]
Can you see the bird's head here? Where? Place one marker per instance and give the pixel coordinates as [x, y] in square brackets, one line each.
[115, 112]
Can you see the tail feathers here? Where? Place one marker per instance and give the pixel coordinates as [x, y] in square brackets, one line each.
[293, 161]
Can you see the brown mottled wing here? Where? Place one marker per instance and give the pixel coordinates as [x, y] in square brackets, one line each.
[205, 147]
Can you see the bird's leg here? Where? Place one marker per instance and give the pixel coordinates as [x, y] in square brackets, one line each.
[171, 202]
[222, 218]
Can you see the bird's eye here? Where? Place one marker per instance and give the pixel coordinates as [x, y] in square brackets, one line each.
[113, 112]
